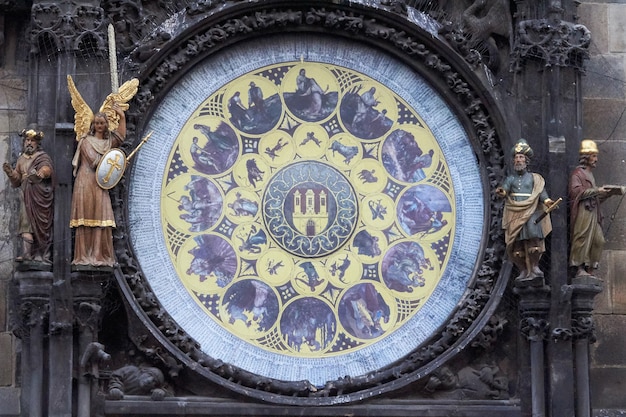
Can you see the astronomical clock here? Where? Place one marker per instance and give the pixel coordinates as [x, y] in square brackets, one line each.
[309, 210]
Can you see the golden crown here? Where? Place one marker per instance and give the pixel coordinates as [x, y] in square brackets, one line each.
[588, 147]
[31, 133]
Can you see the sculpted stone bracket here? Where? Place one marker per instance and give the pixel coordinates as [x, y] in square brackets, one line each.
[469, 317]
[553, 42]
[534, 306]
[584, 292]
[34, 291]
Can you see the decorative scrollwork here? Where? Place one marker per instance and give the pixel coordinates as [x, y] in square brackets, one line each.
[554, 42]
[562, 333]
[68, 30]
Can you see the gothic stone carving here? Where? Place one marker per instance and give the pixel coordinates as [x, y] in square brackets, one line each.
[483, 382]
[133, 380]
[485, 28]
[91, 358]
[553, 42]
[67, 28]
[490, 333]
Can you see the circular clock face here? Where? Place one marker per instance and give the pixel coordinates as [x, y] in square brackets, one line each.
[308, 214]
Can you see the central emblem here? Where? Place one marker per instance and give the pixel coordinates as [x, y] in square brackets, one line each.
[310, 209]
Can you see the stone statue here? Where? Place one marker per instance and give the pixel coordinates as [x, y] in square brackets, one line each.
[483, 382]
[485, 21]
[33, 172]
[525, 225]
[586, 236]
[92, 213]
[133, 380]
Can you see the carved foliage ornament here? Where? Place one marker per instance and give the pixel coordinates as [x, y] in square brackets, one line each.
[554, 42]
[465, 98]
[68, 30]
[534, 329]
[583, 327]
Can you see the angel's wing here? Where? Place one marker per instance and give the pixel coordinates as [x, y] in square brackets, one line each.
[84, 115]
[126, 92]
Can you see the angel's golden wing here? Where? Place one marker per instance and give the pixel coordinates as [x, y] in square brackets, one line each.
[126, 92]
[84, 115]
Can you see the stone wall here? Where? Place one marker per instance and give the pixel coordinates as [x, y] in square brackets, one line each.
[13, 96]
[604, 110]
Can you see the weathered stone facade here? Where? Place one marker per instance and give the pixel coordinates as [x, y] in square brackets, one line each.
[539, 93]
[13, 114]
[604, 92]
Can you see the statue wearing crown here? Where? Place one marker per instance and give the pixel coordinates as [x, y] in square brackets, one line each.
[34, 175]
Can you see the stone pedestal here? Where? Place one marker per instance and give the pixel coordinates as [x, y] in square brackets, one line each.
[87, 286]
[534, 307]
[34, 292]
[584, 291]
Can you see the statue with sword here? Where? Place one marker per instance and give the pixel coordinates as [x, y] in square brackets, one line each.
[526, 219]
[98, 166]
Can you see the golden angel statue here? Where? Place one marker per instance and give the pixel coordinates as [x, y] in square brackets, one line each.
[97, 134]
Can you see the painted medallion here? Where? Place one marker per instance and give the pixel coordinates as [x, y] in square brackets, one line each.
[308, 213]
[332, 184]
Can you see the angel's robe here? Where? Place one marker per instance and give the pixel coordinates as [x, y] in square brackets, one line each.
[92, 213]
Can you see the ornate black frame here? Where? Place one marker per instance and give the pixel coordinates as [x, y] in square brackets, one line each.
[208, 28]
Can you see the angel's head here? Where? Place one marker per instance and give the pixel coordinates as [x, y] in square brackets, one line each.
[100, 126]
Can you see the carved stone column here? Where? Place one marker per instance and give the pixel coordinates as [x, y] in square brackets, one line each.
[534, 307]
[87, 289]
[34, 291]
[584, 290]
[66, 37]
[549, 50]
